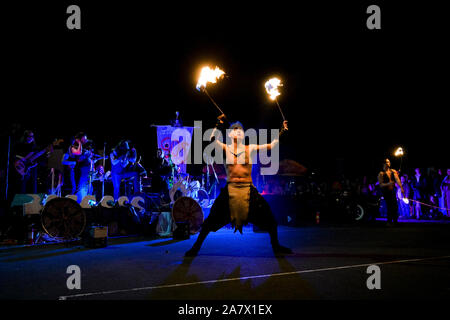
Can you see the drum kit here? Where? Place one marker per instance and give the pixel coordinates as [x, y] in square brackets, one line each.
[188, 199]
[97, 173]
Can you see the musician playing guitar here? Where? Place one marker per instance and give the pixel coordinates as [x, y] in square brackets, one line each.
[27, 158]
[25, 150]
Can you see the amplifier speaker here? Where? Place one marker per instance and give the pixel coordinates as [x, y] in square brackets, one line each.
[95, 237]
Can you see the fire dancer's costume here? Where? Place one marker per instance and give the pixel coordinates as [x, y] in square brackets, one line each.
[240, 203]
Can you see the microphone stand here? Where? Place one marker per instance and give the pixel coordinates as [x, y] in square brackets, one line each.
[91, 170]
[217, 180]
[207, 175]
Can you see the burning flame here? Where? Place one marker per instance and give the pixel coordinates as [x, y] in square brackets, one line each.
[399, 152]
[272, 87]
[209, 75]
[406, 200]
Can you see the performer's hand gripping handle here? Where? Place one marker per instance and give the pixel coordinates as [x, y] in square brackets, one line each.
[284, 128]
[221, 120]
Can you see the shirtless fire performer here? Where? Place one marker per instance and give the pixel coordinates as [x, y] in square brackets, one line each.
[239, 201]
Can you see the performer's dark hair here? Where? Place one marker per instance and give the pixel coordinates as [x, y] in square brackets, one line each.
[25, 135]
[236, 124]
[79, 135]
[122, 147]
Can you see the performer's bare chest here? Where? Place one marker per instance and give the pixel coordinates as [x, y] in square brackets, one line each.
[238, 164]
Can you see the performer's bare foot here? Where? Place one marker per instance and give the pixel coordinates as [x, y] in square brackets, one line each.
[279, 249]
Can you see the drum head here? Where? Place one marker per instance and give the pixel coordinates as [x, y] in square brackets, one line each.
[186, 209]
[178, 189]
[63, 218]
[202, 198]
[194, 184]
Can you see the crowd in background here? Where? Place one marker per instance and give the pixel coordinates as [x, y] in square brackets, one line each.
[427, 192]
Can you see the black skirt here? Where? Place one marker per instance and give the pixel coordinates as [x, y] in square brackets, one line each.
[259, 212]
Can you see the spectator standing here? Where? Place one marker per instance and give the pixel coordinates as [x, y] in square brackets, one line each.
[419, 189]
[404, 208]
[445, 189]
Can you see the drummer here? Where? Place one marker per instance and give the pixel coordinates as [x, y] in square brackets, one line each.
[193, 188]
[99, 177]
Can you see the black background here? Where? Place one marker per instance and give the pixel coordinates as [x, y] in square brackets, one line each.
[351, 95]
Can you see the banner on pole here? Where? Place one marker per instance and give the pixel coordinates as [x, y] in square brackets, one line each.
[176, 142]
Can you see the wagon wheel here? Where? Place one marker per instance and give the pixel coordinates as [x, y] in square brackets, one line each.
[63, 218]
[186, 209]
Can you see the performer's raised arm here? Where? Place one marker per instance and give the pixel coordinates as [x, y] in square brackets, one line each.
[273, 144]
[220, 122]
[77, 150]
[398, 181]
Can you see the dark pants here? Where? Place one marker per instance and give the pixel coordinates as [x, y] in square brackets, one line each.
[117, 177]
[82, 178]
[28, 183]
[391, 206]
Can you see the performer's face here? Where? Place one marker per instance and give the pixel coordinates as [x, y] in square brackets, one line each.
[30, 137]
[387, 164]
[83, 139]
[237, 134]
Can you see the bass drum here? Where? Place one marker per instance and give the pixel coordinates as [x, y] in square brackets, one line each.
[63, 218]
[186, 209]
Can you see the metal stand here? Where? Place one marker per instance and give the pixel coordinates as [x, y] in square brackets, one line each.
[91, 172]
[54, 163]
[217, 180]
[53, 181]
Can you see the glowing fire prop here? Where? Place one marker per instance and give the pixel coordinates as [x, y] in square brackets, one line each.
[209, 75]
[399, 153]
[272, 90]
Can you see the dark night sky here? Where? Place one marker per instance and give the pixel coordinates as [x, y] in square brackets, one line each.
[348, 92]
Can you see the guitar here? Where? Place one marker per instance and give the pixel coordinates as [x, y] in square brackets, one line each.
[24, 164]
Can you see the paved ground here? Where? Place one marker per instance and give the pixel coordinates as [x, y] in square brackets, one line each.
[330, 262]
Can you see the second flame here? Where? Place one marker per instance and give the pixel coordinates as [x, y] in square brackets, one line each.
[272, 87]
